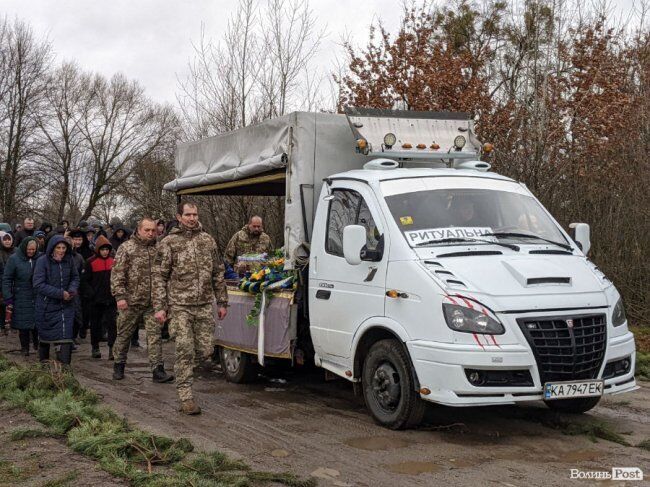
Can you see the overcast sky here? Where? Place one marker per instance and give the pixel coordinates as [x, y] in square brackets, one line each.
[150, 40]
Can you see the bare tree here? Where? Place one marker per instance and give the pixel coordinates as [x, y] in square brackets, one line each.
[290, 42]
[120, 127]
[64, 154]
[24, 60]
[215, 96]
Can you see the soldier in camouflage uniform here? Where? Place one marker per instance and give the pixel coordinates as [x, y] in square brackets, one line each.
[251, 239]
[189, 278]
[131, 285]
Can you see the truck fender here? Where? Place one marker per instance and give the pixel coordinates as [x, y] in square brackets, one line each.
[381, 327]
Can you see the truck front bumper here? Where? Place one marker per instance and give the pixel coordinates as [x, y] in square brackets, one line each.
[440, 367]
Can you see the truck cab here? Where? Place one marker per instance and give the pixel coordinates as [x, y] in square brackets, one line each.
[457, 287]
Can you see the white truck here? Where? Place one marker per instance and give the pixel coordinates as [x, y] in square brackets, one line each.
[429, 278]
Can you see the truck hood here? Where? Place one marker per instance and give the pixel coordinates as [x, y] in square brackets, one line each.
[511, 281]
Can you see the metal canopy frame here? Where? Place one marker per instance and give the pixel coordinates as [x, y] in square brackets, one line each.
[269, 184]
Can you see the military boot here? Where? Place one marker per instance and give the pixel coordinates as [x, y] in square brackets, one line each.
[159, 374]
[118, 371]
[189, 407]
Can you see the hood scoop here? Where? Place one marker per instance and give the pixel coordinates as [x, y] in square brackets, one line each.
[444, 275]
[541, 272]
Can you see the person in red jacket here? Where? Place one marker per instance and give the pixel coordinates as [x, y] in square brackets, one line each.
[96, 280]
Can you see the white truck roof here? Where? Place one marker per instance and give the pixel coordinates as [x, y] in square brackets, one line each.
[371, 175]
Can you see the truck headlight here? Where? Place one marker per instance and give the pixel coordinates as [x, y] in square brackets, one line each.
[468, 320]
[618, 316]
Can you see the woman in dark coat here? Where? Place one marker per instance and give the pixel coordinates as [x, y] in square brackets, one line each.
[120, 235]
[6, 249]
[18, 292]
[56, 282]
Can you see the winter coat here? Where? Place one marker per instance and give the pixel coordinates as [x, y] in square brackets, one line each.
[132, 274]
[5, 253]
[243, 242]
[117, 242]
[96, 281]
[17, 286]
[23, 234]
[189, 271]
[85, 250]
[46, 227]
[55, 316]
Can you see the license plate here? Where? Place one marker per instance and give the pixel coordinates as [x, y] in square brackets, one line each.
[565, 390]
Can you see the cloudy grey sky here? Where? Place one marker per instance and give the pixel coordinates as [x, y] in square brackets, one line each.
[150, 40]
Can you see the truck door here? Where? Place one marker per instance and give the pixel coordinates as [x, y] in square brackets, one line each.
[342, 296]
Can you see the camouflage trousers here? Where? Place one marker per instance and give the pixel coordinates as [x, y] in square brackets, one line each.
[127, 322]
[192, 328]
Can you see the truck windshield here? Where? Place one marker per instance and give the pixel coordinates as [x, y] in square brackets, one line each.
[449, 216]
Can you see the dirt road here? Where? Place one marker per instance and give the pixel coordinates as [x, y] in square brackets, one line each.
[300, 423]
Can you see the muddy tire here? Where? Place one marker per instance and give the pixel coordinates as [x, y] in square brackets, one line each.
[388, 386]
[573, 406]
[238, 367]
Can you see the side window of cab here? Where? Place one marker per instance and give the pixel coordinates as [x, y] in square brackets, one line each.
[347, 207]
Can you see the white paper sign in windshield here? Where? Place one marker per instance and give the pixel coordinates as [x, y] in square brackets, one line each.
[418, 237]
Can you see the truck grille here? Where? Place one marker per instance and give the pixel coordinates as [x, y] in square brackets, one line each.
[565, 352]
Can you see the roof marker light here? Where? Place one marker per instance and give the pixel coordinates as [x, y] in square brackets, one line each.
[389, 140]
[459, 142]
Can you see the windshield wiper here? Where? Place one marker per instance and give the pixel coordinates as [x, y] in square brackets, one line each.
[525, 235]
[458, 239]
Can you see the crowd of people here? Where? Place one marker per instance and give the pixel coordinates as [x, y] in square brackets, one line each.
[59, 283]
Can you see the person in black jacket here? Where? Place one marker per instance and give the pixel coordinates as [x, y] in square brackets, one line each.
[97, 289]
[81, 246]
[76, 238]
[27, 230]
[119, 236]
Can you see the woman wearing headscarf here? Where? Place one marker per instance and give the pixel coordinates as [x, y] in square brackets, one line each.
[18, 292]
[56, 282]
[6, 249]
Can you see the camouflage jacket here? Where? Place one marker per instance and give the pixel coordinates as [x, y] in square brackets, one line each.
[244, 243]
[132, 273]
[189, 270]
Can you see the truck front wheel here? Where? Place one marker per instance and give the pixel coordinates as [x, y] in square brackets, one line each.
[574, 406]
[238, 367]
[388, 386]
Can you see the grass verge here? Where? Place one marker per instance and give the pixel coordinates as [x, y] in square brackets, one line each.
[57, 400]
[643, 365]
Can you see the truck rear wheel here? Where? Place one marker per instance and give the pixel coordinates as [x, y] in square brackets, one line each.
[237, 366]
[388, 386]
[574, 406]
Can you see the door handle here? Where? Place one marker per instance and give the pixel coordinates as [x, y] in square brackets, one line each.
[322, 294]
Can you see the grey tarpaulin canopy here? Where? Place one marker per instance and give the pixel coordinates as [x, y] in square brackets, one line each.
[291, 155]
[288, 156]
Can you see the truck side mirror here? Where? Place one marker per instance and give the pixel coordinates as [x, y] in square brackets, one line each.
[354, 239]
[376, 254]
[581, 236]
